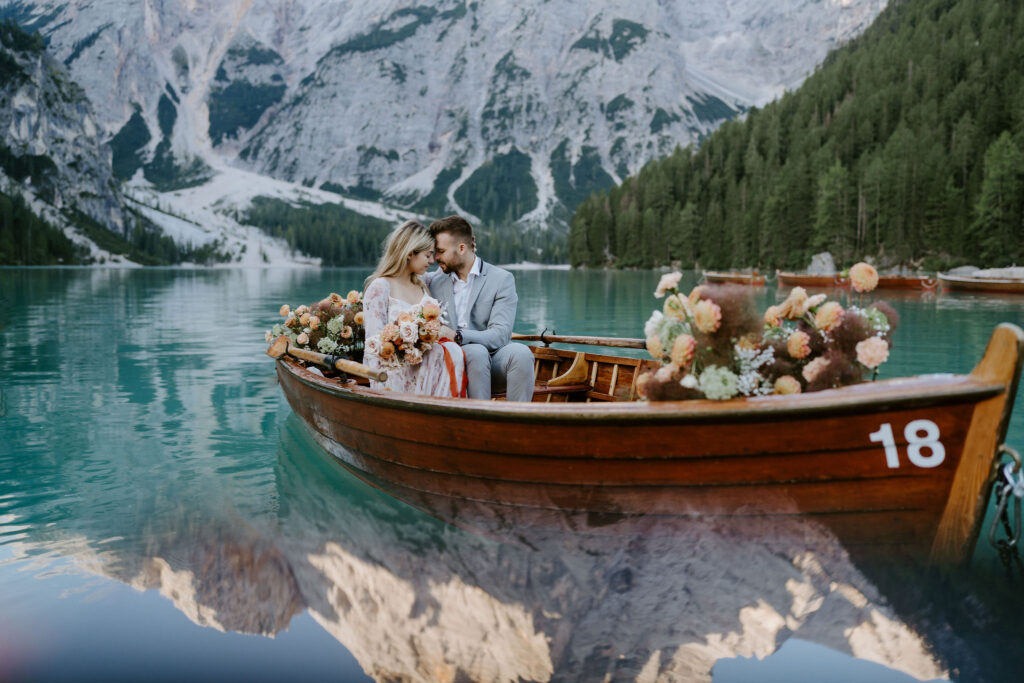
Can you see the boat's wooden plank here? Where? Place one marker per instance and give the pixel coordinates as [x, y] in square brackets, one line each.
[763, 468]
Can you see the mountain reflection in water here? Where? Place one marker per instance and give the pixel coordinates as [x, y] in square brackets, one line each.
[523, 595]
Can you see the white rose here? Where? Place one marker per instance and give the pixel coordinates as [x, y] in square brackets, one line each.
[373, 345]
[653, 324]
[409, 332]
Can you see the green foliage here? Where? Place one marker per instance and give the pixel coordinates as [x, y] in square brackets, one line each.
[662, 119]
[501, 190]
[13, 37]
[145, 243]
[905, 145]
[359, 191]
[166, 114]
[26, 15]
[380, 37]
[28, 240]
[38, 168]
[339, 236]
[126, 147]
[436, 202]
[574, 182]
[240, 105]
[626, 35]
[255, 55]
[168, 175]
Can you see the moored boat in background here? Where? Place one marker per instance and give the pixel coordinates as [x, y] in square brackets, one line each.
[835, 280]
[975, 283]
[740, 278]
[902, 462]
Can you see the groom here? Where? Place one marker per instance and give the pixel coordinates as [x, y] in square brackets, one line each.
[479, 301]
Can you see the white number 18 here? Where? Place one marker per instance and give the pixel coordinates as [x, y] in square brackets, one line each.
[915, 442]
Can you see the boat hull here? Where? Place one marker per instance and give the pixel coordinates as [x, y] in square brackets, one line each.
[878, 463]
[911, 282]
[967, 284]
[752, 279]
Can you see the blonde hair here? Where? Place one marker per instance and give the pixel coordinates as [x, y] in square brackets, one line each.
[411, 237]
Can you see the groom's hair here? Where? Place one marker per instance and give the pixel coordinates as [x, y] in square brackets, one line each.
[456, 226]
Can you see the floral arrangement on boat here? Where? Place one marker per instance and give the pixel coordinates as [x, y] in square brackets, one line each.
[714, 344]
[333, 325]
[413, 333]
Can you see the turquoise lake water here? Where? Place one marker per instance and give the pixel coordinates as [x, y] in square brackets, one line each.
[165, 516]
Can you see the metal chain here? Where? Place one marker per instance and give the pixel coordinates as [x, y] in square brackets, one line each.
[1010, 485]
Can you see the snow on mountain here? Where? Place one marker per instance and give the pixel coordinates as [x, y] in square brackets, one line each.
[501, 110]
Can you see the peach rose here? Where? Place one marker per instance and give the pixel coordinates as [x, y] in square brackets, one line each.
[814, 368]
[773, 316]
[795, 304]
[799, 344]
[389, 332]
[285, 310]
[863, 277]
[314, 322]
[304, 319]
[353, 297]
[302, 309]
[828, 316]
[335, 298]
[302, 339]
[324, 303]
[787, 384]
[358, 318]
[814, 301]
[413, 356]
[872, 352]
[683, 349]
[707, 315]
[428, 335]
[667, 282]
[654, 347]
[387, 349]
[695, 295]
[431, 311]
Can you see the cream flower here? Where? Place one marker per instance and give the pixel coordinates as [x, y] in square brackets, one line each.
[413, 356]
[683, 349]
[814, 301]
[872, 352]
[689, 381]
[707, 316]
[719, 383]
[667, 282]
[828, 316]
[358, 318]
[654, 347]
[373, 345]
[409, 331]
[799, 344]
[302, 339]
[814, 368]
[676, 307]
[863, 277]
[787, 384]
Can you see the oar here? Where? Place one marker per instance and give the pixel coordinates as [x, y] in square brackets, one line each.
[618, 342]
[281, 346]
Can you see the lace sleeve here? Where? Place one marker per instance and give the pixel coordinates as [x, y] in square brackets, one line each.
[375, 306]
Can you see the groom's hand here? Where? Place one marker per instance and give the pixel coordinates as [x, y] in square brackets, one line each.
[447, 332]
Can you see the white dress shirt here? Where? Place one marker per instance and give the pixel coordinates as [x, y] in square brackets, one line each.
[461, 293]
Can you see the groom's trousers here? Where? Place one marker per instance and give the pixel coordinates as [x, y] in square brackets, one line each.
[509, 369]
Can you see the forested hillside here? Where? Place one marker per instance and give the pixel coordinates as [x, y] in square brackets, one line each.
[907, 145]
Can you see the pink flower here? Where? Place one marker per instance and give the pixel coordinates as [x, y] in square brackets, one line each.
[814, 368]
[667, 282]
[828, 316]
[863, 277]
[872, 352]
[787, 384]
[707, 315]
[654, 347]
[799, 344]
[284, 311]
[409, 332]
[682, 351]
[302, 339]
[813, 301]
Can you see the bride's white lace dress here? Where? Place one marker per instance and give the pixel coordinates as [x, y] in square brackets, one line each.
[430, 377]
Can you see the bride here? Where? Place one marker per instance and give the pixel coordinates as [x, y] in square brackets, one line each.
[395, 286]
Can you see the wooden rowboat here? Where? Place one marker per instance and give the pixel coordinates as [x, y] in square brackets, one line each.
[717, 277]
[981, 284]
[906, 462]
[838, 280]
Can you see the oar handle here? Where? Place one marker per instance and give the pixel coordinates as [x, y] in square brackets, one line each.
[617, 342]
[281, 346]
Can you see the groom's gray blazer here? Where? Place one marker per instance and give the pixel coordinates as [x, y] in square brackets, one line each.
[492, 305]
[492, 360]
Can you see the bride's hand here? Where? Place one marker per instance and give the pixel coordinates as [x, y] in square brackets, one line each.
[447, 332]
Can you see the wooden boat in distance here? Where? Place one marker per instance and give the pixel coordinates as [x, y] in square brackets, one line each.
[981, 284]
[754, 279]
[901, 463]
[922, 282]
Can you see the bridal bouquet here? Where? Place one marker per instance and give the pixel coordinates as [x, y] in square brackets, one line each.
[714, 344]
[333, 325]
[404, 341]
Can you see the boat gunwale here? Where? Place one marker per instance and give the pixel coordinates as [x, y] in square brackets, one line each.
[919, 390]
[960, 279]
